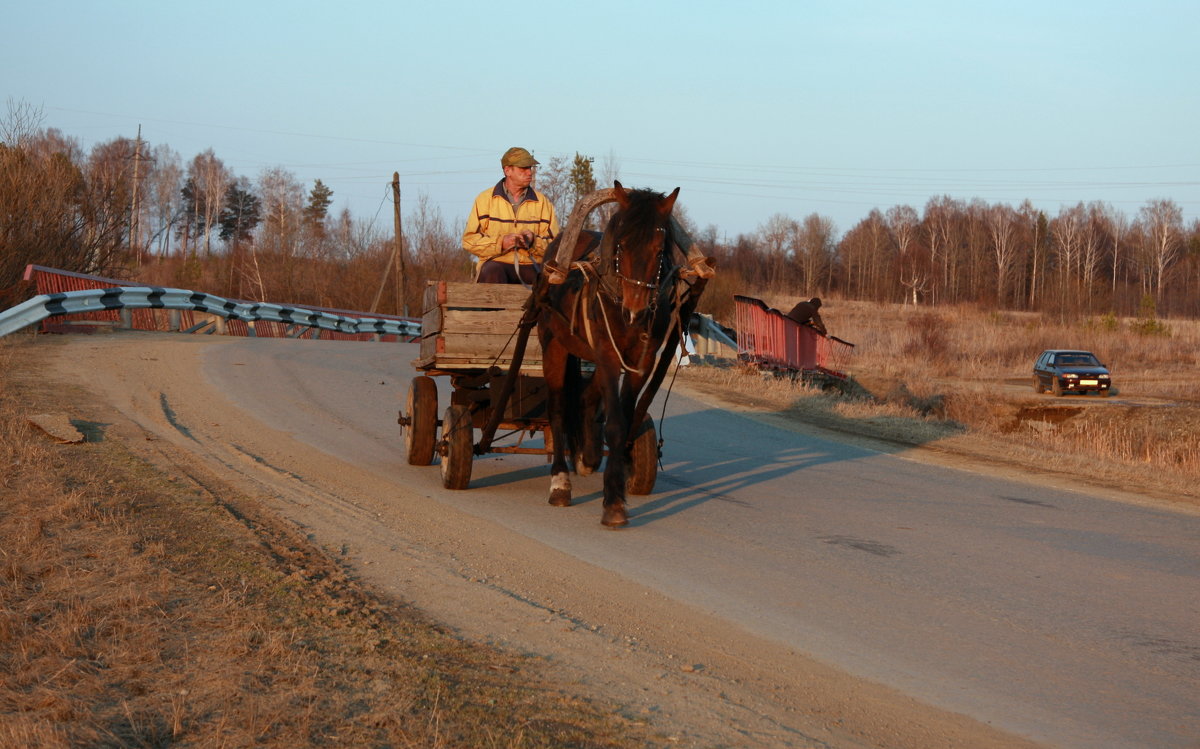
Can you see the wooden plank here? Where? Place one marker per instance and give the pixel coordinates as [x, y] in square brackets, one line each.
[447, 363]
[484, 345]
[432, 345]
[467, 294]
[434, 296]
[485, 295]
[494, 322]
[431, 321]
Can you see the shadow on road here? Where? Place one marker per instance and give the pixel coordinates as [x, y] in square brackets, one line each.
[714, 455]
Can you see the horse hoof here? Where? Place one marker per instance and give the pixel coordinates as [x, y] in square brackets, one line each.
[560, 498]
[583, 469]
[614, 518]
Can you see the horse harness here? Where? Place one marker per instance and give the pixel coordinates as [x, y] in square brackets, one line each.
[602, 283]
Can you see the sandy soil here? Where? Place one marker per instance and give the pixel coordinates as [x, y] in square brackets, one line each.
[699, 680]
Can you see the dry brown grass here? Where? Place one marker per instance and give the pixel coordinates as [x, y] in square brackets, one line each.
[137, 610]
[955, 376]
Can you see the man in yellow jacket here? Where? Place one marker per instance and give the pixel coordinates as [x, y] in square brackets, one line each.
[511, 224]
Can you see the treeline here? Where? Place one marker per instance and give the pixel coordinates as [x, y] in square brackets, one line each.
[126, 209]
[1086, 259]
[129, 209]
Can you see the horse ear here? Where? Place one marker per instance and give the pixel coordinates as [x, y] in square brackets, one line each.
[668, 203]
[620, 194]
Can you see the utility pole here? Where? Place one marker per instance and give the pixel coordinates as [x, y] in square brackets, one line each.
[135, 239]
[397, 256]
[398, 251]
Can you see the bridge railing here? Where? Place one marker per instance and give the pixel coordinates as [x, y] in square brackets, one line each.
[235, 321]
[768, 338]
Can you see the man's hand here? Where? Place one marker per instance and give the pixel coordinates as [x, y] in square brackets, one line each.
[521, 241]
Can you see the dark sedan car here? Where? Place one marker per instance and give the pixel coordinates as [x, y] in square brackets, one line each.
[1064, 371]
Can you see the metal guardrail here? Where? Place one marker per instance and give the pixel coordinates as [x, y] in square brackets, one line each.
[709, 340]
[95, 301]
[768, 338]
[54, 281]
[44, 306]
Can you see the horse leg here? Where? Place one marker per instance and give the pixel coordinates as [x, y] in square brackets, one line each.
[554, 360]
[616, 432]
[591, 443]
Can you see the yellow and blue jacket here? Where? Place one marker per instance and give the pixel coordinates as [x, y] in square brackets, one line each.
[493, 216]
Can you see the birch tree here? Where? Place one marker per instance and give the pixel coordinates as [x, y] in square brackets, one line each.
[209, 180]
[904, 226]
[1162, 222]
[1002, 227]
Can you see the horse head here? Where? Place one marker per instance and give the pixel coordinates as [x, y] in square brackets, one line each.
[636, 246]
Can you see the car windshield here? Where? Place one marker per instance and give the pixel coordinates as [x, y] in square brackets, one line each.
[1078, 360]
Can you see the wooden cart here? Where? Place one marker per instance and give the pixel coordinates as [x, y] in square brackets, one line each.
[469, 334]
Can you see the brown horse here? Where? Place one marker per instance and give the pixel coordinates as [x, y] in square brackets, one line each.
[625, 312]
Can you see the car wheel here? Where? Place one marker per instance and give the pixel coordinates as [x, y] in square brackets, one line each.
[1056, 387]
[1038, 387]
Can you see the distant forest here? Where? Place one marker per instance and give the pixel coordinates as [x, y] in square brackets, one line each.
[132, 210]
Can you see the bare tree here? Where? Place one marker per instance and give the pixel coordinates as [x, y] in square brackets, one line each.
[1118, 228]
[108, 180]
[773, 239]
[813, 252]
[163, 182]
[208, 180]
[866, 257]
[52, 214]
[21, 125]
[610, 171]
[942, 225]
[554, 183]
[904, 225]
[1162, 223]
[438, 252]
[1095, 240]
[1038, 230]
[1002, 226]
[1067, 229]
[282, 210]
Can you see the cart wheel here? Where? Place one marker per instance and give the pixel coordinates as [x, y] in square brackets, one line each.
[422, 421]
[458, 435]
[643, 460]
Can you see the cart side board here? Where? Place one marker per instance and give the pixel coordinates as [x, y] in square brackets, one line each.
[469, 326]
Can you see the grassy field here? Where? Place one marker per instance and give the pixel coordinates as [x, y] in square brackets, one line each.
[139, 610]
[962, 379]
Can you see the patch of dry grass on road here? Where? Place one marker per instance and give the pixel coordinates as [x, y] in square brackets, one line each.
[139, 610]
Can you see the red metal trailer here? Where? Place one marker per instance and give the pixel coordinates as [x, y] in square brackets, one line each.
[769, 339]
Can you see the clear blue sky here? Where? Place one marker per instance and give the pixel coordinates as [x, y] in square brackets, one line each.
[753, 108]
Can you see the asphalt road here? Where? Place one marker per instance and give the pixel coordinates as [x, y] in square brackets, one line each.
[1060, 615]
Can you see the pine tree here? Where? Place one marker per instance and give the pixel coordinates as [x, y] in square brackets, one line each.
[582, 182]
[240, 214]
[317, 209]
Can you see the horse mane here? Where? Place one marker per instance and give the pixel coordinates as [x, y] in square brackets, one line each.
[641, 214]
